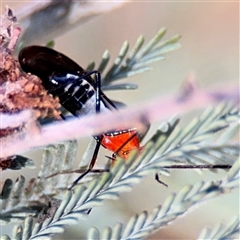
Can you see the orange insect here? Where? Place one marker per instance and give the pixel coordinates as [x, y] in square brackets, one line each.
[121, 143]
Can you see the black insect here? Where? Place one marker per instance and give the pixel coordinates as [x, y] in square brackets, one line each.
[64, 78]
[79, 93]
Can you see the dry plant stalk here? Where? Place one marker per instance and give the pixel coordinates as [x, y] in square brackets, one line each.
[19, 91]
[44, 20]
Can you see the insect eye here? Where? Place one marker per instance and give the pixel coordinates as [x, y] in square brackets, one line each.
[125, 153]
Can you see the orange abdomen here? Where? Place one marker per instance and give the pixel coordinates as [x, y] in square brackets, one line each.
[121, 143]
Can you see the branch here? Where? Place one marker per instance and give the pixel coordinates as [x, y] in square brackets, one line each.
[46, 20]
[124, 119]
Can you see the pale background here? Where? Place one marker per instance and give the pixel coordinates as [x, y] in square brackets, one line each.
[210, 49]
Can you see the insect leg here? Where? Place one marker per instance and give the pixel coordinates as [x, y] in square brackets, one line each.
[105, 99]
[99, 94]
[98, 138]
[133, 136]
[62, 116]
[159, 181]
[98, 90]
[92, 163]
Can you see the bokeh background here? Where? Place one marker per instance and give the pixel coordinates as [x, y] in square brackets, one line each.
[210, 50]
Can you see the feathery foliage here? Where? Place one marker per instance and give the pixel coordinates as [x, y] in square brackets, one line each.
[176, 204]
[44, 216]
[124, 175]
[134, 62]
[228, 230]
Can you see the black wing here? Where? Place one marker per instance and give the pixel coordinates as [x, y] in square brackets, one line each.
[45, 62]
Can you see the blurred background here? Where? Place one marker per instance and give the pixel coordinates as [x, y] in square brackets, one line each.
[210, 50]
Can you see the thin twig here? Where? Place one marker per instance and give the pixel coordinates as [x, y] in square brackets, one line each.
[46, 20]
[130, 117]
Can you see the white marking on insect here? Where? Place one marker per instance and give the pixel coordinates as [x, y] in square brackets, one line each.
[54, 81]
[75, 90]
[85, 82]
[72, 76]
[67, 87]
[90, 107]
